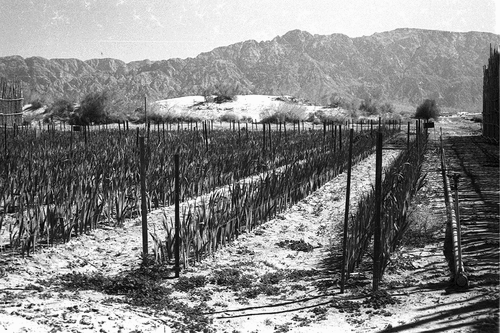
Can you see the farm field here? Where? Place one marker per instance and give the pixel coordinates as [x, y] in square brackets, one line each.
[281, 276]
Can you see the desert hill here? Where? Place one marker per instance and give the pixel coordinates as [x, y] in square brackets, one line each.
[403, 65]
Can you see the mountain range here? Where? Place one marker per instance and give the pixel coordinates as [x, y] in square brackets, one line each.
[403, 65]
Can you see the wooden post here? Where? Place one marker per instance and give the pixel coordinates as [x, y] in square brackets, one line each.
[205, 128]
[334, 138]
[263, 137]
[324, 132]
[270, 140]
[177, 215]
[377, 241]
[144, 212]
[340, 137]
[346, 214]
[408, 137]
[5, 138]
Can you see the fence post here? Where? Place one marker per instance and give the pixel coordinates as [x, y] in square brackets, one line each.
[408, 137]
[263, 137]
[377, 242]
[5, 138]
[346, 215]
[270, 140]
[340, 137]
[177, 216]
[144, 212]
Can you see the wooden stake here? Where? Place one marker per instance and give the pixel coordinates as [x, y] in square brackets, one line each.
[346, 215]
[144, 212]
[377, 241]
[177, 216]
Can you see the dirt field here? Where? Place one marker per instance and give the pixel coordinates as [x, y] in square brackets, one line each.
[284, 276]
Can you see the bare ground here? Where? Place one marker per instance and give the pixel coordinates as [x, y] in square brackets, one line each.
[284, 276]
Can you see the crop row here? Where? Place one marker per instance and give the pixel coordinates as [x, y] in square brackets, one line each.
[56, 184]
[401, 181]
[214, 220]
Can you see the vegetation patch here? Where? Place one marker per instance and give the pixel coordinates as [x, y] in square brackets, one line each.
[186, 284]
[379, 299]
[232, 277]
[143, 287]
[296, 245]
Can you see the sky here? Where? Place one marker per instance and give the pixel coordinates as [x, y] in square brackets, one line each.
[132, 30]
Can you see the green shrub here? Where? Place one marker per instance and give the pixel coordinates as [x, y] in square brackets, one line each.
[327, 117]
[160, 113]
[369, 107]
[225, 92]
[186, 284]
[93, 109]
[427, 110]
[285, 112]
[229, 117]
[61, 109]
[387, 108]
[477, 118]
[34, 105]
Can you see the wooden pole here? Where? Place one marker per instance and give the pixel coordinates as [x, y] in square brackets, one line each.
[145, 112]
[177, 216]
[346, 214]
[377, 241]
[144, 212]
[340, 137]
[264, 137]
[408, 137]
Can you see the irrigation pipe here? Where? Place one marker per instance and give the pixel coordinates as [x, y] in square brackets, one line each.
[453, 230]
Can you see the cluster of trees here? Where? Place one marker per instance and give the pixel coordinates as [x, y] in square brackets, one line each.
[427, 110]
[100, 107]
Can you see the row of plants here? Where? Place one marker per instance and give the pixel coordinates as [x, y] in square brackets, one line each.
[213, 221]
[401, 181]
[56, 184]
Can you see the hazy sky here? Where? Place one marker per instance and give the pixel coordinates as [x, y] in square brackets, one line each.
[162, 29]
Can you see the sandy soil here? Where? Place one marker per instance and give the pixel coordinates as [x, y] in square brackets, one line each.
[260, 282]
[245, 106]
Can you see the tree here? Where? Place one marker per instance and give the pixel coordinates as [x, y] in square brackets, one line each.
[60, 109]
[93, 109]
[226, 92]
[427, 110]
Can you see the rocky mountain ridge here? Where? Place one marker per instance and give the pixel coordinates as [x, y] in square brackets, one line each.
[403, 65]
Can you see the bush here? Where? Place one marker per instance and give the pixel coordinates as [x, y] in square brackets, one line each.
[387, 108]
[284, 113]
[93, 109]
[225, 92]
[158, 114]
[34, 105]
[229, 117]
[427, 110]
[61, 109]
[477, 118]
[369, 107]
[327, 117]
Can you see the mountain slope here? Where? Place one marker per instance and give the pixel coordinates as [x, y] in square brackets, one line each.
[404, 65]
